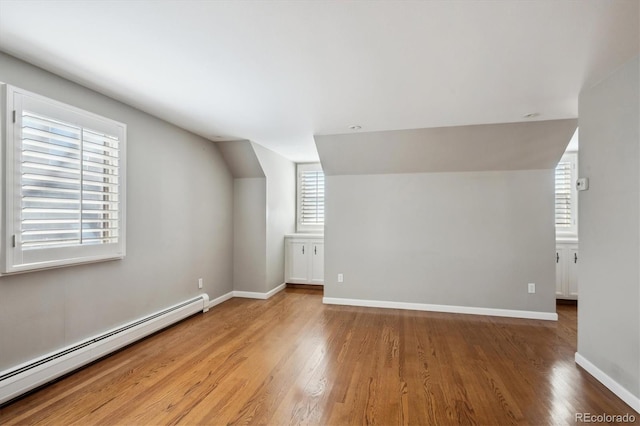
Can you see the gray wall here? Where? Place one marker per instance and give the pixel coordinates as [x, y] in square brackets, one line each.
[609, 217]
[249, 234]
[281, 210]
[529, 145]
[467, 239]
[264, 211]
[179, 228]
[241, 158]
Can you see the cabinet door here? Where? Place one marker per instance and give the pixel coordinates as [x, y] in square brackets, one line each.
[572, 273]
[298, 261]
[317, 262]
[560, 263]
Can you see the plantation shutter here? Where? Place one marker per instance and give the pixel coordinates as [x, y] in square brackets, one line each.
[69, 184]
[50, 182]
[64, 198]
[564, 195]
[311, 197]
[100, 188]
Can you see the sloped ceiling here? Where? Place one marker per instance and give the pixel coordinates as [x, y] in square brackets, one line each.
[511, 146]
[241, 159]
[279, 72]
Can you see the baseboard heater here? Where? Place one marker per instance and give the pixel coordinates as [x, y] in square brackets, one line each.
[25, 377]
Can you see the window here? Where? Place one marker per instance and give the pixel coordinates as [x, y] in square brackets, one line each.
[310, 198]
[566, 195]
[64, 184]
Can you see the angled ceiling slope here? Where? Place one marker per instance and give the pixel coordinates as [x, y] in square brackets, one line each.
[487, 147]
[241, 159]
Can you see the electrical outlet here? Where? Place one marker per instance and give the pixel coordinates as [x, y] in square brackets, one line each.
[582, 184]
[340, 278]
[199, 282]
[532, 287]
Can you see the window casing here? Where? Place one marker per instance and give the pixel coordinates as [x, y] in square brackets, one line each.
[566, 196]
[310, 198]
[64, 184]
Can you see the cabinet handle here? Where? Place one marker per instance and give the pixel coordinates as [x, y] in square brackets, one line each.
[302, 249]
[557, 257]
[314, 249]
[575, 257]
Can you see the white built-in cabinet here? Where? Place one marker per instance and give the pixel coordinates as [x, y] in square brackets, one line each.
[567, 271]
[304, 259]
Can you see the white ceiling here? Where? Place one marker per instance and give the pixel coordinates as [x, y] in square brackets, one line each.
[277, 73]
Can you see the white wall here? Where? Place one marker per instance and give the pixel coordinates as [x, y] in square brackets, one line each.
[473, 239]
[179, 228]
[609, 218]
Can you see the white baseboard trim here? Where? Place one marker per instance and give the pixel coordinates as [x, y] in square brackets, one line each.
[219, 300]
[276, 290]
[256, 295]
[621, 392]
[550, 316]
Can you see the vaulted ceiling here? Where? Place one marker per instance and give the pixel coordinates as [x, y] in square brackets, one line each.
[279, 72]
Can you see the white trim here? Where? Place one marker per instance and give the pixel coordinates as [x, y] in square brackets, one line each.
[560, 239]
[276, 290]
[620, 391]
[256, 295]
[249, 294]
[305, 236]
[550, 316]
[219, 300]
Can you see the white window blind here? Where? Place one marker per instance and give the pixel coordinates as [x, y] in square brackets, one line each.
[310, 198]
[565, 195]
[69, 183]
[67, 187]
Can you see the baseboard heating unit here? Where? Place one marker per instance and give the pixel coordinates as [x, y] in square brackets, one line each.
[25, 377]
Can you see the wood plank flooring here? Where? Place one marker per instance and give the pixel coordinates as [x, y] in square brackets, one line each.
[293, 360]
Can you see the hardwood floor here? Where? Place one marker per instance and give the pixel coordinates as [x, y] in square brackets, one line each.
[293, 360]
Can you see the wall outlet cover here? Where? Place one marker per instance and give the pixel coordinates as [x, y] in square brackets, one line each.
[582, 184]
